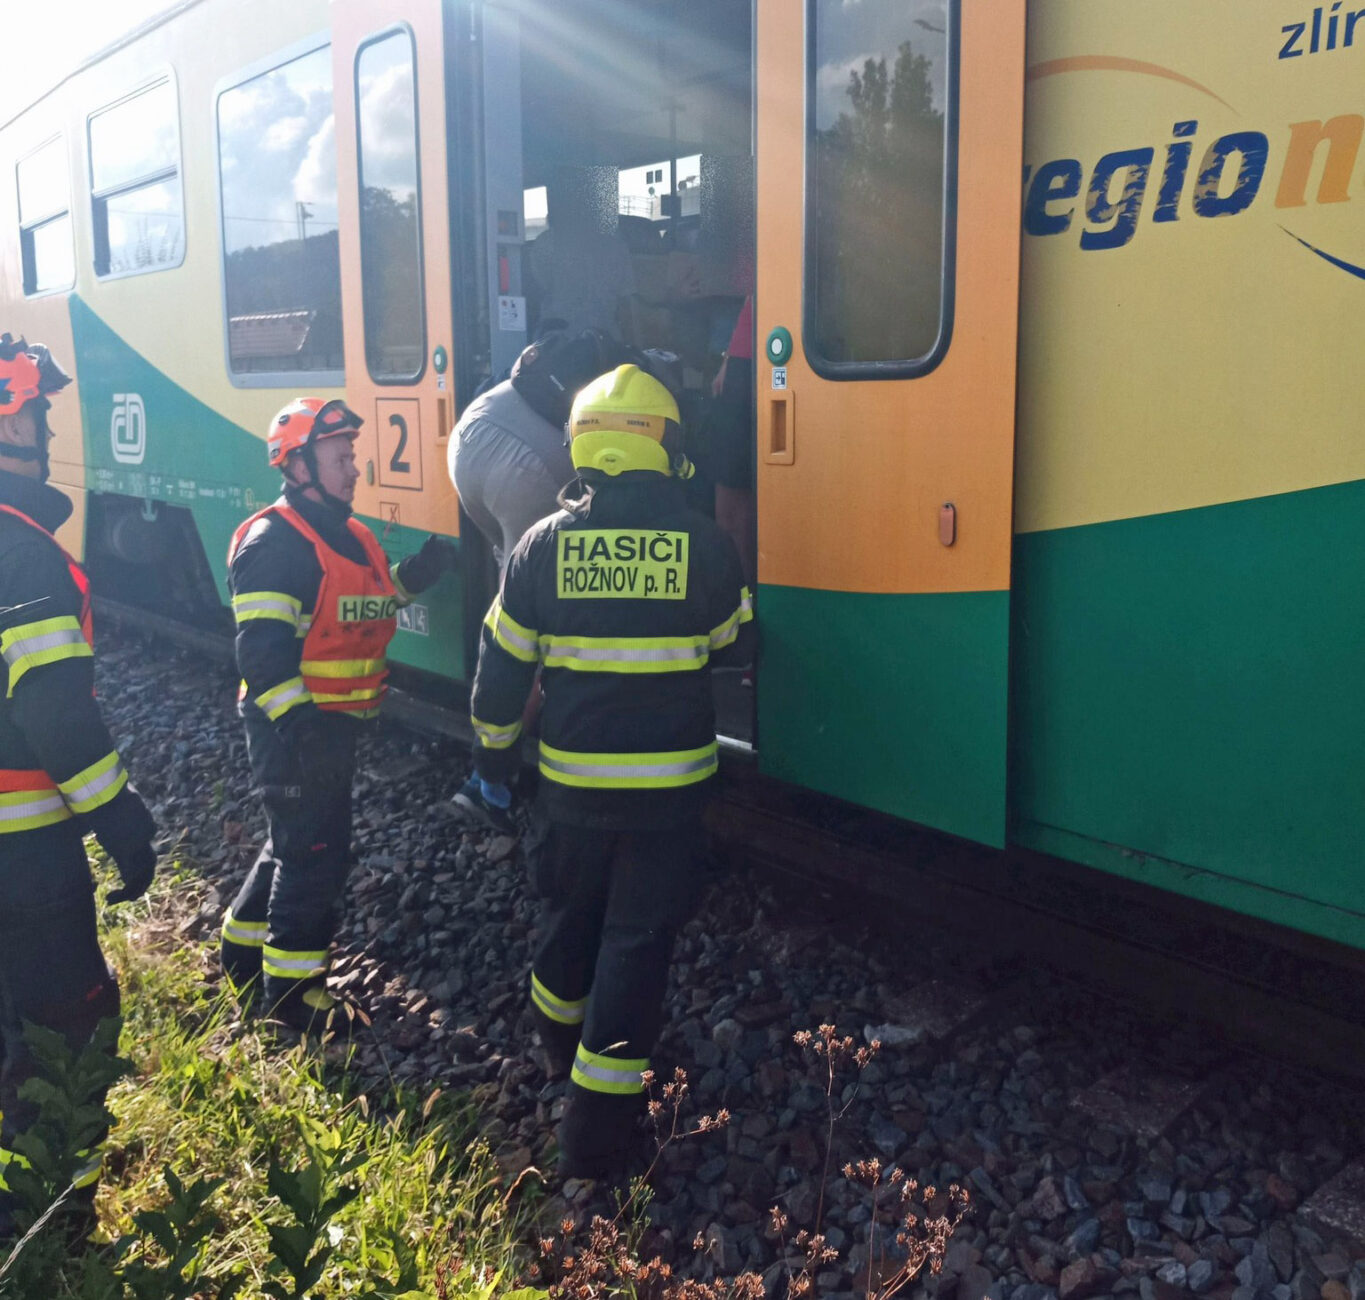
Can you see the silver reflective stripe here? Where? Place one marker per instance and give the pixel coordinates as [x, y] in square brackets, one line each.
[567, 1013]
[47, 641]
[629, 770]
[623, 655]
[250, 604]
[604, 1075]
[251, 933]
[34, 808]
[295, 963]
[97, 784]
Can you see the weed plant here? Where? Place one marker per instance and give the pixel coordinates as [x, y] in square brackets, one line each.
[242, 1167]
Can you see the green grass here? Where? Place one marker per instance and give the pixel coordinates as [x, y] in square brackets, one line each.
[211, 1098]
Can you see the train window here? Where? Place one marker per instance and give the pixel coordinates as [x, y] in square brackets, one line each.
[390, 222]
[138, 211]
[880, 106]
[46, 244]
[281, 264]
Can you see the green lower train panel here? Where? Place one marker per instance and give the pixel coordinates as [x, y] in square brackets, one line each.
[147, 438]
[892, 702]
[1188, 703]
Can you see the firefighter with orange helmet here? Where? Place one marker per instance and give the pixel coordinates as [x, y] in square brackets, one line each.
[60, 775]
[623, 601]
[315, 601]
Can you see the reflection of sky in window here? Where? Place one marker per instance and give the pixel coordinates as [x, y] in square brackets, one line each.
[277, 149]
[42, 182]
[388, 120]
[134, 139]
[849, 32]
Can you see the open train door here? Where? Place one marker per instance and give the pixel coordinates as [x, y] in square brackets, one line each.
[392, 63]
[889, 148]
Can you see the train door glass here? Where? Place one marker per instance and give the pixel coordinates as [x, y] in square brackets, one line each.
[393, 73]
[886, 314]
[618, 194]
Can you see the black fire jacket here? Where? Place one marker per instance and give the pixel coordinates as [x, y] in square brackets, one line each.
[49, 718]
[623, 603]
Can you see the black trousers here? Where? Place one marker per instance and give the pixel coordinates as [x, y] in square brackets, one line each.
[52, 971]
[284, 917]
[612, 903]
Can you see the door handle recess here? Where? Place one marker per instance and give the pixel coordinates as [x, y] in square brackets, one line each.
[781, 445]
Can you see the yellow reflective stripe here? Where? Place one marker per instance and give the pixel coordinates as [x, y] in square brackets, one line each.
[248, 934]
[727, 632]
[565, 1013]
[26, 810]
[519, 642]
[348, 697]
[628, 771]
[95, 785]
[278, 700]
[248, 605]
[608, 1073]
[404, 595]
[342, 667]
[492, 736]
[31, 645]
[624, 654]
[288, 965]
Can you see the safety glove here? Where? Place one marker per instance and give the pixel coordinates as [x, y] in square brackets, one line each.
[136, 867]
[420, 571]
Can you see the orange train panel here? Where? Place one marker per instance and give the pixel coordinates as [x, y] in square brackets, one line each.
[853, 500]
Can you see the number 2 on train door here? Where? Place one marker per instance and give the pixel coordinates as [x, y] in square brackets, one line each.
[398, 421]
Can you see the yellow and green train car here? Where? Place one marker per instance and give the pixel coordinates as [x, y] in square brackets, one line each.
[1060, 502]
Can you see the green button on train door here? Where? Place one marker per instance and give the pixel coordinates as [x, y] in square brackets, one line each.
[889, 147]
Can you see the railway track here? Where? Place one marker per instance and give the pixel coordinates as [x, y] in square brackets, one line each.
[1254, 986]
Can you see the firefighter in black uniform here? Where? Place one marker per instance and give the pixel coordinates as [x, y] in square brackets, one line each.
[623, 599]
[60, 776]
[315, 601]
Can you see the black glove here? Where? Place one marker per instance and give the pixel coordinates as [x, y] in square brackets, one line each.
[420, 571]
[137, 869]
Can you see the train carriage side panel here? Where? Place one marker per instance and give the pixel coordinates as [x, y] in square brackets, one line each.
[1188, 706]
[39, 154]
[164, 420]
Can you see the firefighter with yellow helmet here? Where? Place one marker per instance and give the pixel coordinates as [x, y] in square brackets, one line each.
[315, 602]
[60, 775]
[624, 600]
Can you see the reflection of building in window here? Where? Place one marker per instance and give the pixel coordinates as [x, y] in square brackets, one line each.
[282, 268]
[278, 337]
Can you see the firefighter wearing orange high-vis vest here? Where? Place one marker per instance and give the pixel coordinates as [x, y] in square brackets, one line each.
[315, 601]
[623, 600]
[60, 776]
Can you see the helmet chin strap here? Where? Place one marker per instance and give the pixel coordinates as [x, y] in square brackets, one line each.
[309, 457]
[37, 452]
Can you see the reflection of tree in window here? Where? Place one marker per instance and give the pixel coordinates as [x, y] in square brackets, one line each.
[393, 338]
[390, 243]
[878, 209]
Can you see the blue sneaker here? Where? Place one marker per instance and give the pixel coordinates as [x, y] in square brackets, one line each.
[489, 804]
